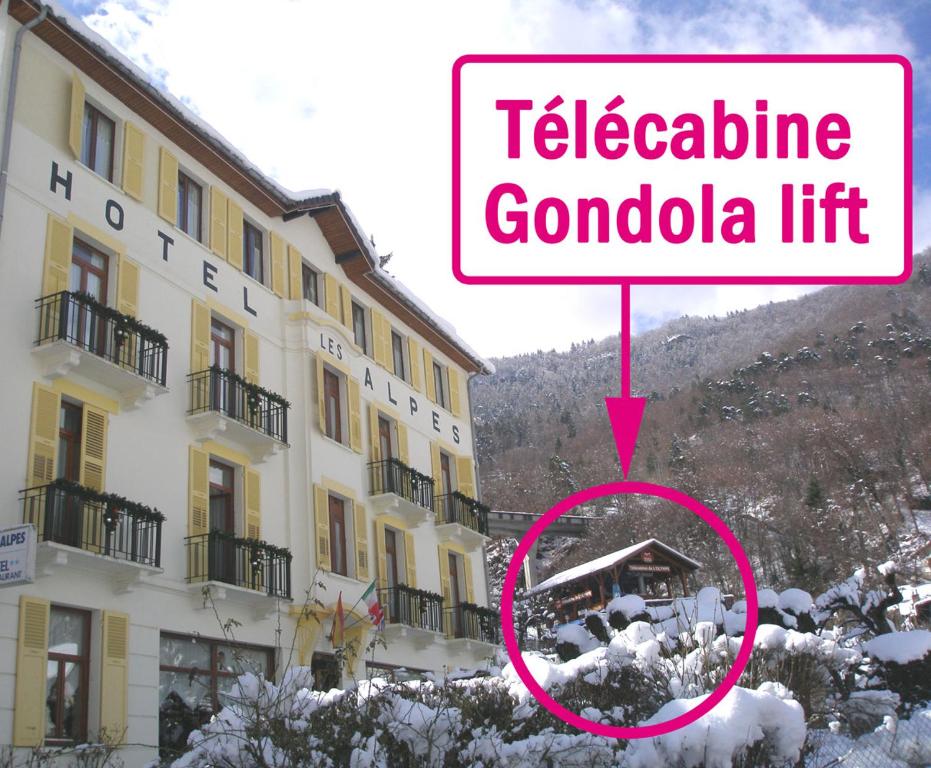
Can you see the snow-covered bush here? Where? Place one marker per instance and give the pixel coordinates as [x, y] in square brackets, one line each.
[843, 679]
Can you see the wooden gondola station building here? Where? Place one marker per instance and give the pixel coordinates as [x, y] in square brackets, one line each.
[651, 569]
[212, 395]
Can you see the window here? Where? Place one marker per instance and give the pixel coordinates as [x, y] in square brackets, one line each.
[337, 512]
[88, 271]
[222, 509]
[325, 670]
[332, 405]
[69, 442]
[358, 327]
[190, 196]
[456, 571]
[222, 345]
[309, 284]
[97, 142]
[89, 268]
[252, 254]
[66, 675]
[439, 382]
[384, 438]
[194, 673]
[395, 673]
[397, 355]
[446, 475]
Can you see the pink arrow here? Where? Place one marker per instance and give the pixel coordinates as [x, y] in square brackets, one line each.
[625, 412]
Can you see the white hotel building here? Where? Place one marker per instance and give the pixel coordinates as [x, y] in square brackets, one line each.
[209, 384]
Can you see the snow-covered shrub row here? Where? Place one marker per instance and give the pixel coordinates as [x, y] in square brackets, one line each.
[848, 688]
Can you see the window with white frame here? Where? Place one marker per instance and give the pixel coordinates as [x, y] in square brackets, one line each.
[310, 284]
[98, 141]
[360, 327]
[190, 206]
[253, 251]
[440, 383]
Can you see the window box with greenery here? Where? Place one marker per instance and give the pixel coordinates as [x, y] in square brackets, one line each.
[83, 323]
[65, 512]
[224, 392]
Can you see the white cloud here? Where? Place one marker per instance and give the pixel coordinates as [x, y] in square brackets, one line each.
[355, 95]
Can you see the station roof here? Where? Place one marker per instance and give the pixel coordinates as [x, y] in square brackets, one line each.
[609, 561]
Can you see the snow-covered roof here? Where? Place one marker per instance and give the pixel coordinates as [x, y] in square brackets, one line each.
[289, 200]
[608, 561]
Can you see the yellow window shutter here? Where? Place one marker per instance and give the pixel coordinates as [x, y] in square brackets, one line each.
[278, 256]
[43, 436]
[29, 708]
[321, 400]
[374, 441]
[360, 523]
[403, 453]
[437, 469]
[470, 589]
[331, 290]
[234, 225]
[322, 519]
[127, 287]
[167, 186]
[250, 343]
[347, 306]
[455, 404]
[464, 476]
[200, 338]
[218, 218]
[380, 350]
[413, 350]
[198, 492]
[133, 160]
[94, 448]
[114, 675]
[382, 553]
[410, 559]
[428, 375]
[355, 415]
[253, 495]
[76, 116]
[59, 240]
[295, 272]
[445, 590]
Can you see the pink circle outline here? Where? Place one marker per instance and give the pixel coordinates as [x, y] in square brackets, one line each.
[510, 583]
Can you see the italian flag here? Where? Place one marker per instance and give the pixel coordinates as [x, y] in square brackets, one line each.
[376, 614]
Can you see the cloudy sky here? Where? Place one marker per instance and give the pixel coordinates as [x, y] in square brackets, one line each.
[355, 96]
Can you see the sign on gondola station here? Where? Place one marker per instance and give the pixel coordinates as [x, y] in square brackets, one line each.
[650, 569]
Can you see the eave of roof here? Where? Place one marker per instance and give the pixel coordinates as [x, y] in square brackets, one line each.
[609, 561]
[100, 61]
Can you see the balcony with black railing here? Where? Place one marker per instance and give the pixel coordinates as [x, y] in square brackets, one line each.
[67, 514]
[227, 559]
[75, 331]
[399, 490]
[461, 519]
[223, 403]
[413, 613]
[473, 624]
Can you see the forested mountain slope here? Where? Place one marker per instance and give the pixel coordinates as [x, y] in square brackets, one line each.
[806, 424]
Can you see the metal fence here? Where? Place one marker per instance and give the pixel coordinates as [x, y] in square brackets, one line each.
[413, 607]
[78, 517]
[394, 476]
[216, 389]
[456, 507]
[219, 556]
[102, 331]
